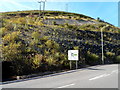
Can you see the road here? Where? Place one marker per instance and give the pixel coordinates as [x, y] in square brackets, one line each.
[101, 76]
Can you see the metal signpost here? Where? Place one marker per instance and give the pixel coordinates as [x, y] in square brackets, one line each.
[73, 55]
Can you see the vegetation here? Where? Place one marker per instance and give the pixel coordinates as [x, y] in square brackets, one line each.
[35, 45]
[92, 58]
[118, 59]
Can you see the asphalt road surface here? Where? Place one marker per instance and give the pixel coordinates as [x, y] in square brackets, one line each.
[101, 76]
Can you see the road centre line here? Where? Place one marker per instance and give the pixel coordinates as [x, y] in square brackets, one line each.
[66, 85]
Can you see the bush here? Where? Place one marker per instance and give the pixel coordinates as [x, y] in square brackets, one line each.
[92, 59]
[37, 60]
[3, 30]
[52, 44]
[54, 23]
[36, 35]
[12, 51]
[12, 37]
[51, 61]
[110, 54]
[76, 48]
[49, 43]
[118, 59]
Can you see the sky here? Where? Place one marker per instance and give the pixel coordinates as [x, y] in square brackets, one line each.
[107, 11]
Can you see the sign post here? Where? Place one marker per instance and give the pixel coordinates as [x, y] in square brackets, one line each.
[73, 55]
[76, 64]
[70, 64]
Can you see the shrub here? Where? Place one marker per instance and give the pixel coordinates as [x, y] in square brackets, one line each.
[66, 24]
[51, 61]
[118, 59]
[56, 46]
[14, 36]
[92, 59]
[36, 35]
[76, 47]
[44, 38]
[54, 23]
[37, 60]
[49, 43]
[21, 20]
[110, 54]
[110, 57]
[3, 30]
[12, 52]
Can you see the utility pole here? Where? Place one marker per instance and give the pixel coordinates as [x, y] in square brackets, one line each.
[39, 8]
[42, 8]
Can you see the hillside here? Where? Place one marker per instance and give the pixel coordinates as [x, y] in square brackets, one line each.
[34, 44]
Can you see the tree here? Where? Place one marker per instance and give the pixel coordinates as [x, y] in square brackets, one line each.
[98, 18]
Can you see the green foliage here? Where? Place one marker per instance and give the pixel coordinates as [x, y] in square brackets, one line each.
[54, 23]
[52, 44]
[37, 60]
[92, 58]
[12, 52]
[44, 38]
[12, 37]
[49, 43]
[66, 24]
[36, 35]
[98, 19]
[110, 54]
[1, 32]
[51, 61]
[76, 48]
[118, 59]
[33, 46]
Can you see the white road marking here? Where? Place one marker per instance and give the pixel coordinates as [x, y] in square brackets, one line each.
[97, 77]
[115, 71]
[107, 75]
[104, 75]
[66, 85]
[0, 87]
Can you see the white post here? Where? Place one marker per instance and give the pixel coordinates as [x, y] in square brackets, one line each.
[70, 65]
[76, 64]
